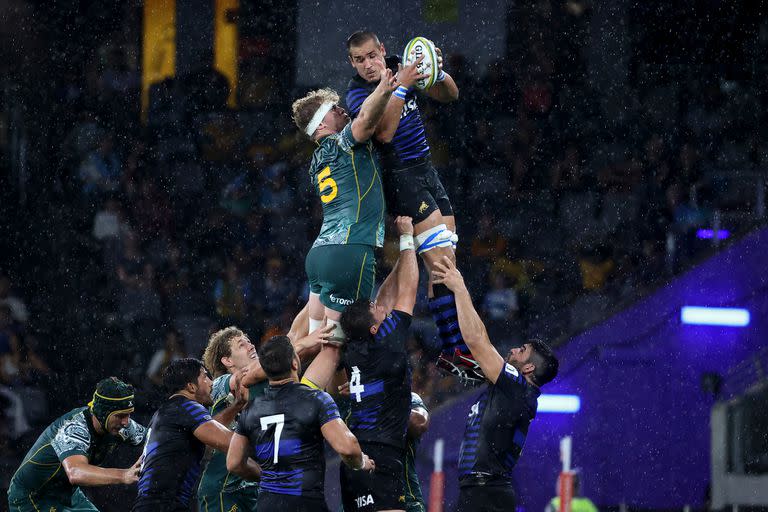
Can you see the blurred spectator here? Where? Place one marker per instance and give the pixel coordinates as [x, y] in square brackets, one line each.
[109, 223]
[500, 302]
[100, 170]
[231, 293]
[173, 349]
[15, 304]
[596, 267]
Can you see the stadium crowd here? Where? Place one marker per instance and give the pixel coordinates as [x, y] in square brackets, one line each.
[147, 237]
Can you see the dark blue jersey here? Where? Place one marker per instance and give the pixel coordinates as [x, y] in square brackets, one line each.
[410, 140]
[283, 428]
[380, 383]
[172, 456]
[497, 426]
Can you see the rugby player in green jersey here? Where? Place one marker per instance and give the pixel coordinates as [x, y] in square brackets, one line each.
[68, 453]
[345, 174]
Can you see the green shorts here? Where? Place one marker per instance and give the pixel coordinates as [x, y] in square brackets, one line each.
[341, 274]
[20, 501]
[240, 501]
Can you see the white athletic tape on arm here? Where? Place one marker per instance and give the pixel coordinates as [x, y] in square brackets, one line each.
[438, 236]
[318, 117]
[315, 324]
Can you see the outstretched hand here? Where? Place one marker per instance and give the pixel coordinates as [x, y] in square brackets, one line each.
[388, 81]
[319, 336]
[408, 75]
[444, 271]
[131, 474]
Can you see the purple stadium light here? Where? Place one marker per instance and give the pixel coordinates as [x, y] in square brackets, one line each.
[706, 234]
[728, 317]
[559, 403]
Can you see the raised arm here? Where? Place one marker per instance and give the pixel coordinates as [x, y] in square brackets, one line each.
[345, 444]
[81, 472]
[214, 434]
[406, 77]
[472, 328]
[228, 414]
[364, 125]
[398, 291]
[238, 461]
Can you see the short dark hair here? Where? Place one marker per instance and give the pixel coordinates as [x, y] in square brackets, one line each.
[356, 321]
[276, 356]
[181, 372]
[360, 37]
[547, 364]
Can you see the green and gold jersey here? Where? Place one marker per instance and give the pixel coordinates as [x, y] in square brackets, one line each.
[216, 479]
[414, 501]
[71, 434]
[346, 176]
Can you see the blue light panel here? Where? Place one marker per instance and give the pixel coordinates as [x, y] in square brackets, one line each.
[729, 317]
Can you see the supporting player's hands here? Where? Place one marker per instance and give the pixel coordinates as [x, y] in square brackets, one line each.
[239, 392]
[407, 75]
[404, 225]
[131, 474]
[368, 464]
[344, 389]
[319, 337]
[444, 271]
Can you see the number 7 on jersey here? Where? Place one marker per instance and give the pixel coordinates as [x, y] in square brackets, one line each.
[279, 421]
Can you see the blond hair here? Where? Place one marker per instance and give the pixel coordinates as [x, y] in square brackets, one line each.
[218, 347]
[304, 108]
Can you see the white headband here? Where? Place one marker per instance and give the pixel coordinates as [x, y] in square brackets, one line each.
[318, 117]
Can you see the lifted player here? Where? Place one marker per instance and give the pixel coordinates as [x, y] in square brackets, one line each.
[498, 422]
[344, 172]
[78, 442]
[411, 183]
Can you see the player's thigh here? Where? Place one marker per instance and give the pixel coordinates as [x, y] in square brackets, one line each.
[436, 189]
[344, 273]
[487, 498]
[407, 193]
[381, 490]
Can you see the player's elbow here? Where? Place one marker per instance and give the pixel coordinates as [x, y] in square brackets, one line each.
[75, 475]
[234, 465]
[349, 448]
[384, 138]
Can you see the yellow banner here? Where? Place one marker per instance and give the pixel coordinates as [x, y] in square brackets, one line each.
[441, 11]
[225, 44]
[158, 46]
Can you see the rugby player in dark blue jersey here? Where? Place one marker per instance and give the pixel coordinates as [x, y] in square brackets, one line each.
[285, 429]
[498, 422]
[178, 434]
[376, 362]
[411, 183]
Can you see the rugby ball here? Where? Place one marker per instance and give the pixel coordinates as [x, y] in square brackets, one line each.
[415, 48]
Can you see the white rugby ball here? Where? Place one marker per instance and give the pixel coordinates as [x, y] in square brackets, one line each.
[415, 48]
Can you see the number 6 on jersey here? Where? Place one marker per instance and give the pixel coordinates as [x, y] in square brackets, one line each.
[279, 421]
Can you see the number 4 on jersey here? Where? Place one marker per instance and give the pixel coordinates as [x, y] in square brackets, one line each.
[279, 421]
[355, 388]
